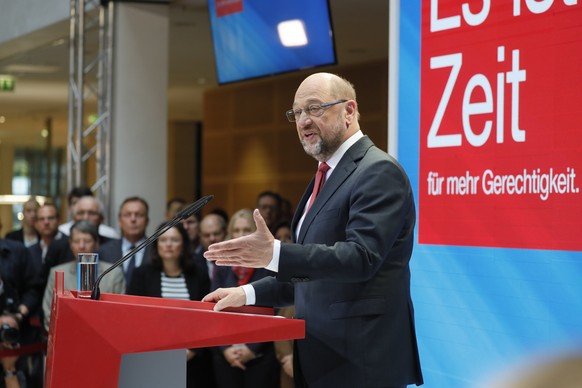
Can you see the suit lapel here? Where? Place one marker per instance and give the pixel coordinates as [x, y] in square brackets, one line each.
[346, 166]
[300, 208]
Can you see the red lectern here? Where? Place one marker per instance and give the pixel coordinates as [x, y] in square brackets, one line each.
[87, 338]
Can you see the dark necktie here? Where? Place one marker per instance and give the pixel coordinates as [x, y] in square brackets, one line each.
[130, 267]
[319, 182]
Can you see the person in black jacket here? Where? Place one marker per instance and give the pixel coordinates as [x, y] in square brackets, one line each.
[27, 234]
[21, 298]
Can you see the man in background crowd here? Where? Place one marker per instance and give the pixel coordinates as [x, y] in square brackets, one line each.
[133, 219]
[173, 206]
[73, 198]
[269, 204]
[212, 230]
[192, 226]
[46, 224]
[27, 234]
[87, 208]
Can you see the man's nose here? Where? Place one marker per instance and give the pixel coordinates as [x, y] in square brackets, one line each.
[304, 119]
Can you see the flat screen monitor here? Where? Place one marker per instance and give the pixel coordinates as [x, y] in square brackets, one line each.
[258, 38]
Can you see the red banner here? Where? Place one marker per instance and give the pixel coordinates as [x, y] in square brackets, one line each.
[228, 7]
[501, 124]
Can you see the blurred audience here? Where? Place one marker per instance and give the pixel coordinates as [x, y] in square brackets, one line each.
[20, 299]
[90, 208]
[173, 206]
[74, 195]
[269, 205]
[87, 208]
[133, 220]
[220, 212]
[287, 210]
[13, 377]
[46, 224]
[84, 238]
[27, 234]
[212, 230]
[243, 365]
[173, 274]
[282, 231]
[192, 226]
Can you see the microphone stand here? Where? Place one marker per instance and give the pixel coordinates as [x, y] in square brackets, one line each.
[191, 209]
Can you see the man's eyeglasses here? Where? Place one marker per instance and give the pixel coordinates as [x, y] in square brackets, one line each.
[315, 110]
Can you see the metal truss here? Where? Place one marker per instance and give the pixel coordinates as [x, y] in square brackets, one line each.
[90, 90]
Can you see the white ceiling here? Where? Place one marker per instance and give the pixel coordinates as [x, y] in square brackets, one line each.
[39, 61]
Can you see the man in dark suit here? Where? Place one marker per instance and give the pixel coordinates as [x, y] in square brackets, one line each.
[27, 234]
[133, 219]
[46, 223]
[348, 271]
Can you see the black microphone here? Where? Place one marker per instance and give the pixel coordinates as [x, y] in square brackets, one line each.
[191, 209]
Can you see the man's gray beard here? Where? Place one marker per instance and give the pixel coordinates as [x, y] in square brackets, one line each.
[323, 150]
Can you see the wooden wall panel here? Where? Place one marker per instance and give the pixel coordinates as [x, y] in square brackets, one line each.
[254, 105]
[182, 160]
[217, 155]
[218, 110]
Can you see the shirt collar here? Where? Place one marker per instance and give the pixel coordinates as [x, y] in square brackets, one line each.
[126, 245]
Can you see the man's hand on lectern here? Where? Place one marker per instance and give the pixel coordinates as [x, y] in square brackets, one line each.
[226, 297]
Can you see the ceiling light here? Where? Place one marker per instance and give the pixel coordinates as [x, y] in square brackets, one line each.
[2, 119]
[292, 33]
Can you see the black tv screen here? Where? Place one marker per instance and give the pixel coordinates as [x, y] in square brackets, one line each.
[257, 38]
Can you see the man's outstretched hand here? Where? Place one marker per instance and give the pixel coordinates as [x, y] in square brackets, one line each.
[254, 250]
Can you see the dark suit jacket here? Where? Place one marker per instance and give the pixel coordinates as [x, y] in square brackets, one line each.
[111, 252]
[36, 255]
[20, 275]
[146, 281]
[350, 275]
[17, 235]
[58, 252]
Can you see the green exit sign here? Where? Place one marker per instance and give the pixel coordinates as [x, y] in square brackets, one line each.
[7, 83]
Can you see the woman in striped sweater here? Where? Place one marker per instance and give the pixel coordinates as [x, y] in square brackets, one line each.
[173, 274]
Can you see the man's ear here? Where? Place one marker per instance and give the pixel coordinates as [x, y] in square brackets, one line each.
[351, 111]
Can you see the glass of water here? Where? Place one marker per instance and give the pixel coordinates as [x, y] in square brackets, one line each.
[86, 273]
